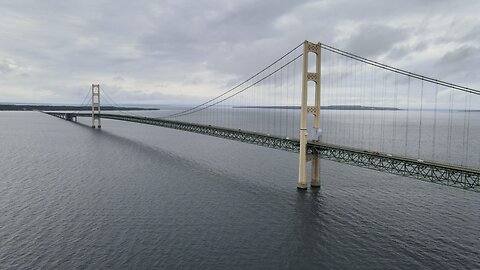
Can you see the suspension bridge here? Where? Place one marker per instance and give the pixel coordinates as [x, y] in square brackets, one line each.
[325, 103]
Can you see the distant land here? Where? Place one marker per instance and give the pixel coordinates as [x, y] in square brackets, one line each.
[29, 107]
[47, 107]
[331, 107]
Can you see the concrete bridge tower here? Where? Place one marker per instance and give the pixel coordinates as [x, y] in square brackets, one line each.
[309, 47]
[96, 106]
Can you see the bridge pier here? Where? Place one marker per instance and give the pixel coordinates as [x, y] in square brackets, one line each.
[302, 164]
[315, 172]
[70, 117]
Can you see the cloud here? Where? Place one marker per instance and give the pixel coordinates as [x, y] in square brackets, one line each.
[461, 63]
[460, 56]
[5, 68]
[374, 39]
[186, 51]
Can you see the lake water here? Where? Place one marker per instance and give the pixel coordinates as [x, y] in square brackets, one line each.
[133, 196]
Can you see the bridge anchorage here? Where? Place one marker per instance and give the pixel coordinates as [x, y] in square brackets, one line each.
[337, 76]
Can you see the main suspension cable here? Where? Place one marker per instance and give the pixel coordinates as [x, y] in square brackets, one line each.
[400, 71]
[236, 87]
[190, 111]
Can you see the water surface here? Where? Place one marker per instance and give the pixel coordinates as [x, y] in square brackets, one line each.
[141, 197]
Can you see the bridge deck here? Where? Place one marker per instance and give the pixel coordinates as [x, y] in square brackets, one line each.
[447, 174]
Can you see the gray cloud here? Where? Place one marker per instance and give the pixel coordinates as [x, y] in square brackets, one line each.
[4, 69]
[374, 39]
[186, 51]
[461, 63]
[462, 56]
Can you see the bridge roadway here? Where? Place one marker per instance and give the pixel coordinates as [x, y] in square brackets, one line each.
[451, 175]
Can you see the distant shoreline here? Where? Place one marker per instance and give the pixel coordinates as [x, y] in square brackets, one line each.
[16, 107]
[30, 107]
[331, 107]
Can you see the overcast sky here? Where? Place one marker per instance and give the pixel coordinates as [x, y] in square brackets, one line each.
[163, 52]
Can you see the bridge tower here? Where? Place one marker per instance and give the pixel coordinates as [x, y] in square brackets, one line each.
[96, 106]
[309, 47]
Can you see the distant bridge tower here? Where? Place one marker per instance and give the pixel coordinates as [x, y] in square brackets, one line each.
[96, 106]
[309, 47]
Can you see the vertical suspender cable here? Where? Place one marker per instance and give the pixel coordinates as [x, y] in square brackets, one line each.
[342, 103]
[468, 130]
[356, 97]
[383, 112]
[464, 142]
[407, 124]
[280, 110]
[274, 92]
[449, 134]
[351, 103]
[434, 135]
[420, 124]
[285, 99]
[362, 141]
[395, 105]
[262, 110]
[293, 97]
[373, 112]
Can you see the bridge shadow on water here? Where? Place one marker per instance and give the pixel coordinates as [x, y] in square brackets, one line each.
[304, 210]
[156, 152]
